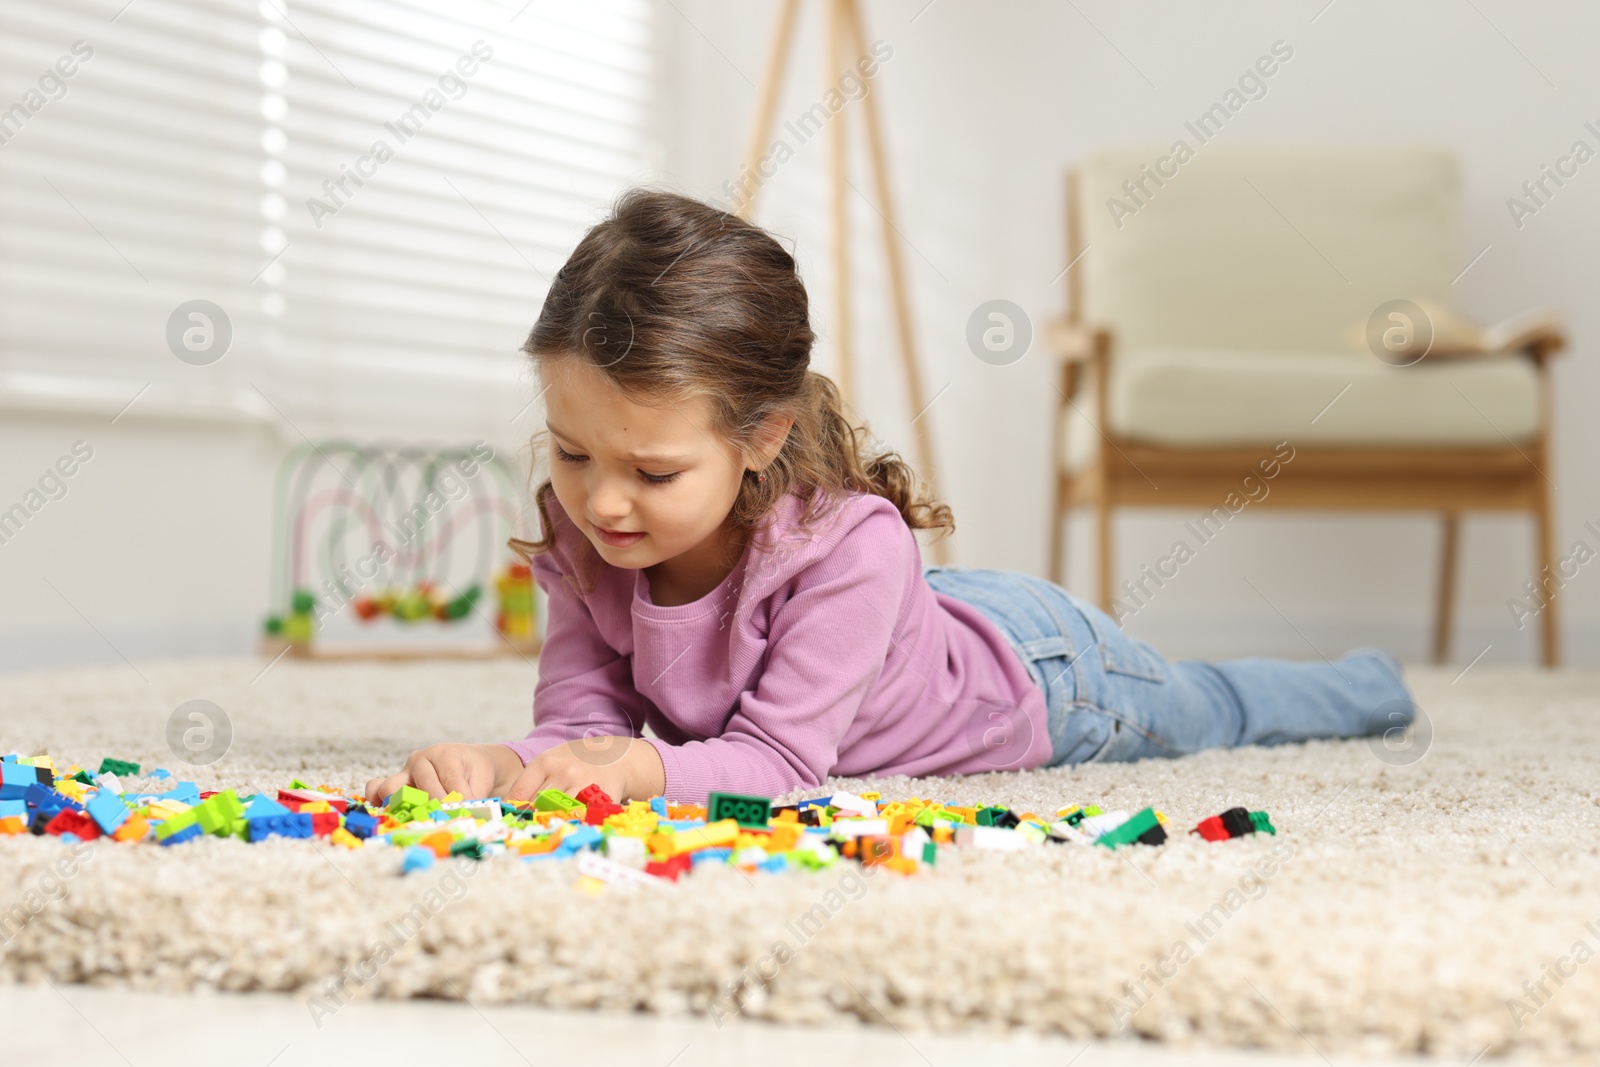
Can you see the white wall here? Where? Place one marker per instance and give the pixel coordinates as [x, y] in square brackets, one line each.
[987, 105]
[160, 546]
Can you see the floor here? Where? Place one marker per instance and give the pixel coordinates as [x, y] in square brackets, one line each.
[174, 1030]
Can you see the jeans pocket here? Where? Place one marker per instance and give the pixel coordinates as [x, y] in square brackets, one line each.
[1119, 653]
[1091, 734]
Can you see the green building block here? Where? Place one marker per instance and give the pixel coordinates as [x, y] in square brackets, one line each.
[473, 850]
[1262, 823]
[221, 815]
[410, 803]
[120, 768]
[813, 861]
[556, 800]
[167, 827]
[1141, 828]
[752, 813]
[986, 816]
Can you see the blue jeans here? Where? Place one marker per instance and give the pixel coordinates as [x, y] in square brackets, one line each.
[1112, 698]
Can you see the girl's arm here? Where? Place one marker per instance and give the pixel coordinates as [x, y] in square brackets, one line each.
[585, 687]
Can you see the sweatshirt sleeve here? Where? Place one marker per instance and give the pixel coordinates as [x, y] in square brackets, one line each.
[826, 647]
[585, 686]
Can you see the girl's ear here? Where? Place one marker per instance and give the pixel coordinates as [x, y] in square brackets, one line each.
[770, 438]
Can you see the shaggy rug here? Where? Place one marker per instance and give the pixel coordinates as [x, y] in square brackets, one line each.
[1441, 904]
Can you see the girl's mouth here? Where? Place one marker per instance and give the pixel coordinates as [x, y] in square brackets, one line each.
[616, 539]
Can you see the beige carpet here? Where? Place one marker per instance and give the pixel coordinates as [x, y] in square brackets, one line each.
[1401, 907]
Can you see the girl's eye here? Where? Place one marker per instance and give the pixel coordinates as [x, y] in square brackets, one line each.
[654, 479]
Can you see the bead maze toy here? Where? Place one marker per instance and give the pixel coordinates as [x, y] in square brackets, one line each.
[379, 529]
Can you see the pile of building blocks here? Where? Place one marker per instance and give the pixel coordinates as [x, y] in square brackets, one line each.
[641, 842]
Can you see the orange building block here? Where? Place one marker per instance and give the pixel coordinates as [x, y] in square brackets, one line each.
[133, 828]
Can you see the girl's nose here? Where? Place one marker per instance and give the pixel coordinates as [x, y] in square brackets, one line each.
[608, 501]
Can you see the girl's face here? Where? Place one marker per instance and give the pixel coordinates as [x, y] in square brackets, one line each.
[645, 484]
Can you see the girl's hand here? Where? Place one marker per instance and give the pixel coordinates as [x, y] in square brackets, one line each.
[474, 771]
[627, 768]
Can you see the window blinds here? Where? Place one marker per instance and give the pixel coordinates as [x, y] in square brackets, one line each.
[374, 192]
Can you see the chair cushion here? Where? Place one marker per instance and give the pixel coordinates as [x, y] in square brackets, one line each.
[1273, 247]
[1175, 396]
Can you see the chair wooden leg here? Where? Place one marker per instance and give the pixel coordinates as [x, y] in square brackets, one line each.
[1102, 511]
[1448, 545]
[1058, 532]
[1544, 528]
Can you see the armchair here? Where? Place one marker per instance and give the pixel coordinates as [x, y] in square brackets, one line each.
[1211, 318]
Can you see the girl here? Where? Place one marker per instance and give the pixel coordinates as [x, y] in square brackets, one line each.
[727, 561]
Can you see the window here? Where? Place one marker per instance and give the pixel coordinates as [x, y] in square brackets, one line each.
[374, 192]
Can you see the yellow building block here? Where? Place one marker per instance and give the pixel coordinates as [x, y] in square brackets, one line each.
[634, 823]
[720, 834]
[161, 810]
[345, 838]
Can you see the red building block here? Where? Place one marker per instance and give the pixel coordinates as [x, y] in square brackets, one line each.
[670, 869]
[68, 821]
[592, 794]
[596, 812]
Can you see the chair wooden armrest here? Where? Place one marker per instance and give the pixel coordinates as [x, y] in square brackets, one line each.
[1074, 342]
[1543, 348]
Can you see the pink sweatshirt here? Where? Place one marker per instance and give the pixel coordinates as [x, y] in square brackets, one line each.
[827, 654]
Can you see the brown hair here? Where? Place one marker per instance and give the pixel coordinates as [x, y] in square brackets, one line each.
[671, 299]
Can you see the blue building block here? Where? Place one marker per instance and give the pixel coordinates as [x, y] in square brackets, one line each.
[417, 859]
[107, 810]
[17, 778]
[187, 792]
[290, 825]
[188, 833]
[701, 855]
[659, 806]
[42, 798]
[581, 838]
[360, 823]
[13, 808]
[774, 864]
[262, 806]
[159, 772]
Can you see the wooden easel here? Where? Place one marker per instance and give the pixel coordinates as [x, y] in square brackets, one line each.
[842, 25]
